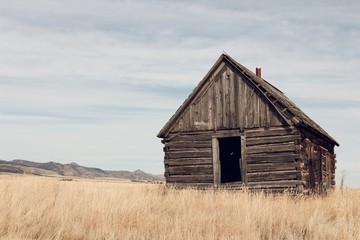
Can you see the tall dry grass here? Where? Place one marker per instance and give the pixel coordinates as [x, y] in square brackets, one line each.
[46, 208]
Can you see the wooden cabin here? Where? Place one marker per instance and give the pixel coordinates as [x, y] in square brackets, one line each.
[236, 129]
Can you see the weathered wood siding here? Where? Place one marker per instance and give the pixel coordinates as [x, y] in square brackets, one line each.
[273, 158]
[188, 159]
[227, 101]
[319, 164]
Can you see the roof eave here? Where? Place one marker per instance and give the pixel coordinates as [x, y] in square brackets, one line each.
[327, 138]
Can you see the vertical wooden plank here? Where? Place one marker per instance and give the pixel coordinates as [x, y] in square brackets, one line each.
[198, 117]
[244, 96]
[227, 99]
[186, 121]
[262, 111]
[236, 101]
[180, 124]
[320, 161]
[233, 101]
[255, 106]
[223, 102]
[195, 115]
[205, 112]
[267, 114]
[218, 100]
[211, 108]
[248, 109]
[208, 106]
[243, 159]
[328, 170]
[204, 109]
[215, 106]
[241, 97]
[191, 117]
[216, 162]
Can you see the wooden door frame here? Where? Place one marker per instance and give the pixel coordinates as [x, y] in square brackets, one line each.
[216, 156]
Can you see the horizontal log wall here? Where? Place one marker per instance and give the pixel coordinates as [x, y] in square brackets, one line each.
[273, 158]
[188, 159]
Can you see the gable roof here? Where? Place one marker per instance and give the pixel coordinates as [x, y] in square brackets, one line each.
[283, 105]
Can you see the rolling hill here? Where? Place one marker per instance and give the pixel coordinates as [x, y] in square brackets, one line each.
[71, 170]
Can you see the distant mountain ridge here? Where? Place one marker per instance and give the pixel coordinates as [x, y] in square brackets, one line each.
[71, 170]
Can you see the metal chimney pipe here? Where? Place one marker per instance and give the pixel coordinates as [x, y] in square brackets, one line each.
[258, 72]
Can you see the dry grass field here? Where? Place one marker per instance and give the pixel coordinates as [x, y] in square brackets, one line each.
[46, 208]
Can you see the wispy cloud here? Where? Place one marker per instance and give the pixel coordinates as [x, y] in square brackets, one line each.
[94, 81]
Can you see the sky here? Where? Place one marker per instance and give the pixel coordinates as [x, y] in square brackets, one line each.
[94, 81]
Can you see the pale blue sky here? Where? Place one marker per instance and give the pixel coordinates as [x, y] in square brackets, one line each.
[94, 81]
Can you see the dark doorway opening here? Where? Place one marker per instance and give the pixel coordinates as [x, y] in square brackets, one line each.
[230, 154]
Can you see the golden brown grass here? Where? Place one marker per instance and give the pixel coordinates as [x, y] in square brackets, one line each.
[46, 208]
